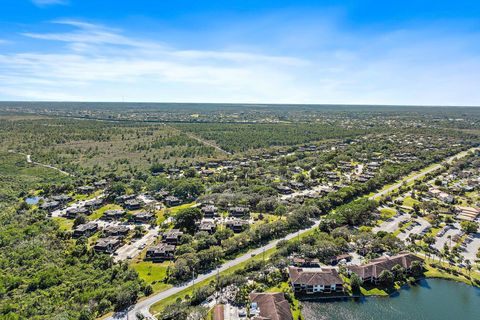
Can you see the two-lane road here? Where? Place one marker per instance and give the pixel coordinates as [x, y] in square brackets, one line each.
[143, 306]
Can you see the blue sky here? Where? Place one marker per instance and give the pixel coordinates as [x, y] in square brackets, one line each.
[360, 52]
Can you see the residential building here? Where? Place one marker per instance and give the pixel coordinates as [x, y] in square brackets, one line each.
[172, 236]
[315, 280]
[160, 252]
[269, 306]
[370, 272]
[107, 245]
[85, 230]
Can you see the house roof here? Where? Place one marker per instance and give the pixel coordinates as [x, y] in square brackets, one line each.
[162, 248]
[273, 306]
[376, 266]
[317, 276]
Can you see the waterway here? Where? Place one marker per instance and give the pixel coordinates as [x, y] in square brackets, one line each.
[431, 299]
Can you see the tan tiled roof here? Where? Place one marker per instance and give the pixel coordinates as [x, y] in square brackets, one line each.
[273, 306]
[376, 266]
[323, 276]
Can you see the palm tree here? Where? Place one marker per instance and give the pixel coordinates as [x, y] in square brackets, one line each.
[468, 266]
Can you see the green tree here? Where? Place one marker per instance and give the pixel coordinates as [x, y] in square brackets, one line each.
[355, 282]
[416, 268]
[387, 278]
[185, 219]
[469, 226]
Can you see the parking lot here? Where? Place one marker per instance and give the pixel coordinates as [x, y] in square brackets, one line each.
[392, 224]
[471, 247]
[451, 232]
[417, 227]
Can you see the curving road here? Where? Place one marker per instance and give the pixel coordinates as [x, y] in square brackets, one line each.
[144, 305]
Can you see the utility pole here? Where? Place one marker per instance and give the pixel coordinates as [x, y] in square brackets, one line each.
[193, 280]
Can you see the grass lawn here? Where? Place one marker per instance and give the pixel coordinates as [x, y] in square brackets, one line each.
[174, 210]
[64, 223]
[81, 197]
[409, 201]
[171, 212]
[434, 231]
[153, 273]
[387, 213]
[97, 214]
[373, 292]
[445, 271]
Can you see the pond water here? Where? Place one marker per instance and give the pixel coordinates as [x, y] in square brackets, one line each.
[32, 200]
[432, 299]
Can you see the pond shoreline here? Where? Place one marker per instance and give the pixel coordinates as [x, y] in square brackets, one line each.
[431, 298]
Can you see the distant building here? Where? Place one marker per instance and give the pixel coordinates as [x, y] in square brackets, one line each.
[100, 184]
[62, 198]
[85, 189]
[238, 212]
[172, 236]
[72, 213]
[207, 226]
[209, 211]
[107, 245]
[306, 262]
[172, 201]
[50, 206]
[284, 189]
[123, 198]
[132, 204]
[161, 252]
[85, 230]
[342, 257]
[143, 217]
[116, 231]
[237, 225]
[93, 204]
[113, 214]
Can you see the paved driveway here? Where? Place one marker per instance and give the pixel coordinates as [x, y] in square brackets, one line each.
[75, 205]
[135, 247]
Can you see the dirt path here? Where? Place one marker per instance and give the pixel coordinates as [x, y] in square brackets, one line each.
[29, 160]
[205, 142]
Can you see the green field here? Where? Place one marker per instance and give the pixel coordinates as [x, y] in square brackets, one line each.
[153, 273]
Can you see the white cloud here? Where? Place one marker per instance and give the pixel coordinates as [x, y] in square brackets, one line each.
[104, 64]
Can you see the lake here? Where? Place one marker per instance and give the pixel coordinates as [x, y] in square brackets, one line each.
[432, 299]
[32, 200]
